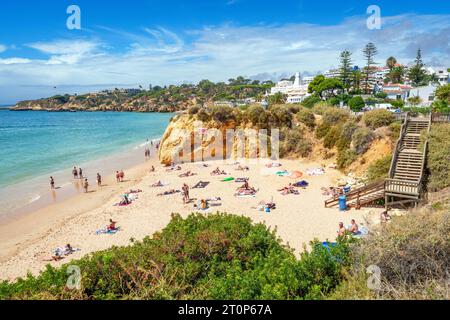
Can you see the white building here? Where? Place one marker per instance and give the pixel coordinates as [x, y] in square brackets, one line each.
[397, 91]
[426, 94]
[441, 74]
[296, 91]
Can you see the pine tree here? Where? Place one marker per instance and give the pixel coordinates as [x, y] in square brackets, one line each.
[345, 70]
[370, 51]
[417, 74]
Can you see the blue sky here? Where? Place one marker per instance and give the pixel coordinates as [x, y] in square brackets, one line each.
[137, 42]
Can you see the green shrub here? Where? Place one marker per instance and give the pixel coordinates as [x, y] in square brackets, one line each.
[346, 158]
[306, 117]
[439, 157]
[322, 130]
[379, 169]
[395, 129]
[334, 116]
[203, 115]
[346, 136]
[280, 116]
[310, 101]
[218, 256]
[293, 141]
[378, 118]
[332, 137]
[222, 114]
[356, 103]
[362, 138]
[193, 110]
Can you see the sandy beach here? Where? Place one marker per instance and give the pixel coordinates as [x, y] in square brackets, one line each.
[26, 242]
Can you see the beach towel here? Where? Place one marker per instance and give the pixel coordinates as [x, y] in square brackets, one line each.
[228, 179]
[362, 232]
[106, 231]
[301, 184]
[282, 173]
[296, 175]
[315, 172]
[201, 185]
[245, 195]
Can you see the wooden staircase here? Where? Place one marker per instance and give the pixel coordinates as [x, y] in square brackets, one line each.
[406, 175]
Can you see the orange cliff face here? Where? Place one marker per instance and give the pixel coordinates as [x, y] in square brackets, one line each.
[187, 139]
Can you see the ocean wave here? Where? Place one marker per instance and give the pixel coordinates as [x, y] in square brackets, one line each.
[35, 198]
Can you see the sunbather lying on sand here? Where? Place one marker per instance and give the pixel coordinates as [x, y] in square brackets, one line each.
[135, 191]
[158, 184]
[169, 192]
[246, 192]
[61, 253]
[218, 172]
[187, 174]
[290, 189]
[240, 180]
[242, 168]
[273, 165]
[173, 168]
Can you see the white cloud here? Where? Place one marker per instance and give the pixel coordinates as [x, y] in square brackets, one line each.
[160, 56]
[67, 51]
[9, 61]
[3, 48]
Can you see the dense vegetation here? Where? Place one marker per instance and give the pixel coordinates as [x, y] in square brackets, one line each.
[412, 254]
[439, 157]
[161, 99]
[215, 257]
[227, 257]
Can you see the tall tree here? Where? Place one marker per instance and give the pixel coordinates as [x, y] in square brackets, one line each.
[370, 51]
[417, 74]
[345, 69]
[391, 62]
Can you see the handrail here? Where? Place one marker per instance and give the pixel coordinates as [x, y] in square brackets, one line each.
[402, 186]
[398, 146]
[359, 192]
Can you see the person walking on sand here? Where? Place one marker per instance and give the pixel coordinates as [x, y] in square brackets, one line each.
[86, 185]
[80, 173]
[117, 176]
[75, 173]
[52, 183]
[122, 176]
[99, 180]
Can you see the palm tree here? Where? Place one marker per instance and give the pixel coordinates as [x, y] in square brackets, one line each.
[391, 62]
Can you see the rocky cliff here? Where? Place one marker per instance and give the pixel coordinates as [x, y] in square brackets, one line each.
[95, 102]
[187, 139]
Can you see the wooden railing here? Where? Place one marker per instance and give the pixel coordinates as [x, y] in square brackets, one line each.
[440, 117]
[398, 147]
[357, 194]
[402, 187]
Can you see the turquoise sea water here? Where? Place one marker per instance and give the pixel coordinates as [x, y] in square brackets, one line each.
[38, 144]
